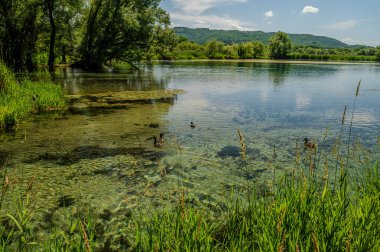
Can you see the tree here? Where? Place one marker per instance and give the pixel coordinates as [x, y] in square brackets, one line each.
[258, 49]
[245, 50]
[63, 20]
[378, 53]
[214, 49]
[280, 45]
[119, 30]
[19, 30]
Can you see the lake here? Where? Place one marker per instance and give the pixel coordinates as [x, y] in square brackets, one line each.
[105, 160]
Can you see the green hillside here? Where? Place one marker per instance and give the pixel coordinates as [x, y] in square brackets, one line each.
[202, 35]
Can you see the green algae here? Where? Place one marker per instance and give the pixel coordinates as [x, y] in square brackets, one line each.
[122, 98]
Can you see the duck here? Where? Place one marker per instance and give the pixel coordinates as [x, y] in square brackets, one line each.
[161, 138]
[309, 144]
[192, 125]
[157, 142]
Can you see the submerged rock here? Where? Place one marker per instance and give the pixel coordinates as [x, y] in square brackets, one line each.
[65, 201]
[234, 151]
[3, 158]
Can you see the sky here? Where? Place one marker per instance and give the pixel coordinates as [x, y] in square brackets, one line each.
[350, 21]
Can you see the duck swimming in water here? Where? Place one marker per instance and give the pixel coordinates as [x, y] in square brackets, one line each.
[192, 125]
[157, 143]
[161, 138]
[309, 144]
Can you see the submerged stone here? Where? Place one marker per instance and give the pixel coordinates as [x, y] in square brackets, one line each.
[3, 158]
[154, 125]
[65, 201]
[234, 151]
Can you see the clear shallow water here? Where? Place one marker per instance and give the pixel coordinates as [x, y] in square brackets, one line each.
[105, 159]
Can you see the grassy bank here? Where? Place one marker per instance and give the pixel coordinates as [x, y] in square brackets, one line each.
[20, 98]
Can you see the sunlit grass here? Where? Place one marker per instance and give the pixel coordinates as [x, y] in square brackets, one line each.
[18, 99]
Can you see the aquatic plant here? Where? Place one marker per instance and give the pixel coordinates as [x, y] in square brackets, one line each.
[243, 147]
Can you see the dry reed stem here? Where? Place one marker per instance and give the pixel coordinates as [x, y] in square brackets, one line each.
[348, 242]
[243, 147]
[357, 88]
[281, 248]
[279, 223]
[315, 242]
[344, 114]
[85, 237]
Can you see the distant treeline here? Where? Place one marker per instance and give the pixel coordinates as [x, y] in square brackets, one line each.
[203, 35]
[279, 46]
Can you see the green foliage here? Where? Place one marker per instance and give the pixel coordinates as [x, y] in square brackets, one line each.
[303, 215]
[280, 45]
[183, 229]
[202, 35]
[378, 53]
[19, 30]
[119, 30]
[19, 99]
[214, 49]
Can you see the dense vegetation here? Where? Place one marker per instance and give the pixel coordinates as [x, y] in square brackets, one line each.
[18, 99]
[195, 44]
[203, 35]
[257, 50]
[89, 33]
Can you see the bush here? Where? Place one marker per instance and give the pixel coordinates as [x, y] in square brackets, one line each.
[19, 99]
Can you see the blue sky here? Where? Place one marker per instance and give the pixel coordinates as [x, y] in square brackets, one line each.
[351, 21]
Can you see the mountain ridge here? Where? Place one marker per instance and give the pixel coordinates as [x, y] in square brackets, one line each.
[202, 35]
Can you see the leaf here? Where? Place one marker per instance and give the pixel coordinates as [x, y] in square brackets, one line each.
[16, 222]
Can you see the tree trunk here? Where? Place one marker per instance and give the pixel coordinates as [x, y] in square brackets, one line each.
[53, 31]
[63, 61]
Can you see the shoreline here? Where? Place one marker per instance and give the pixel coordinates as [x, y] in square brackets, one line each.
[278, 61]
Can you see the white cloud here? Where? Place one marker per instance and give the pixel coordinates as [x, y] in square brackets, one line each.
[268, 14]
[310, 9]
[210, 21]
[199, 6]
[341, 26]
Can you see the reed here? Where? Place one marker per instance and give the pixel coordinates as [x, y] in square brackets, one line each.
[243, 147]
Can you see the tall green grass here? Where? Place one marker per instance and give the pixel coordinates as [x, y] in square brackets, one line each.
[303, 215]
[18, 99]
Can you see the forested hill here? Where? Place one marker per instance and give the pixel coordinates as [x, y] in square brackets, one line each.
[202, 35]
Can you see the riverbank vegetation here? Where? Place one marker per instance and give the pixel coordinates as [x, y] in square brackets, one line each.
[20, 98]
[280, 46]
[95, 34]
[87, 33]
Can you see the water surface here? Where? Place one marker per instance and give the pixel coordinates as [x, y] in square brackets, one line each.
[104, 159]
